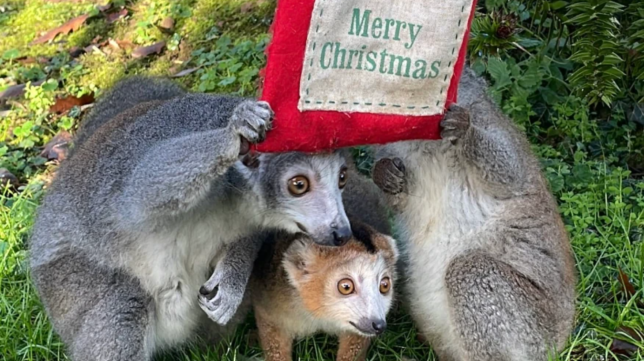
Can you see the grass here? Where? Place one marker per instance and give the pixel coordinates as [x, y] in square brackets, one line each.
[592, 161]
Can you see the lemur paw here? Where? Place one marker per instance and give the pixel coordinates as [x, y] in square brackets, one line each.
[455, 124]
[390, 175]
[220, 297]
[251, 120]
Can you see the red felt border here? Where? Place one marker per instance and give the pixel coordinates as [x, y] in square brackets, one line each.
[312, 131]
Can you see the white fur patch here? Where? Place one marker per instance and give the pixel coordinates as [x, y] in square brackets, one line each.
[443, 209]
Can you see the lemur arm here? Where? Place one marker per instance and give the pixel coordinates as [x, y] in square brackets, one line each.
[224, 291]
[175, 174]
[487, 145]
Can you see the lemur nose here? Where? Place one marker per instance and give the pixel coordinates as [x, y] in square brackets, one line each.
[341, 236]
[379, 326]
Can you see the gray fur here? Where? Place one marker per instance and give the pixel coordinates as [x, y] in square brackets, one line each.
[143, 209]
[490, 269]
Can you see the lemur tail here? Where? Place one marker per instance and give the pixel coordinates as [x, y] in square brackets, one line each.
[124, 95]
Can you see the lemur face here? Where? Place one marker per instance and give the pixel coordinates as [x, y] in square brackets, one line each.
[303, 193]
[349, 287]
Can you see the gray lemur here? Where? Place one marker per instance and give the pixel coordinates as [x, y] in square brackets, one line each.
[149, 200]
[490, 274]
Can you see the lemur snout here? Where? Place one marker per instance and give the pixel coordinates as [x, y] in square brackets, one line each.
[371, 326]
[379, 326]
[341, 236]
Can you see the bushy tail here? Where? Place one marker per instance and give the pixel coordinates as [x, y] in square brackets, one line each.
[123, 96]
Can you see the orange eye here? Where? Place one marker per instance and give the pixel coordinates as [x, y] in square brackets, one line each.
[345, 286]
[343, 178]
[385, 285]
[298, 185]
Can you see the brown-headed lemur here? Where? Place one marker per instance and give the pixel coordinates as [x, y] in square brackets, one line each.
[152, 195]
[490, 273]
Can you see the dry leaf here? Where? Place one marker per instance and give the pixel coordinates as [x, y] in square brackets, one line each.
[626, 348]
[144, 51]
[114, 17]
[167, 24]
[247, 7]
[627, 286]
[185, 72]
[66, 28]
[7, 178]
[57, 147]
[63, 105]
[75, 52]
[17, 90]
[113, 44]
[103, 8]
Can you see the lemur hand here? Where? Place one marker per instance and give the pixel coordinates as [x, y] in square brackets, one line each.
[251, 120]
[222, 294]
[455, 124]
[390, 176]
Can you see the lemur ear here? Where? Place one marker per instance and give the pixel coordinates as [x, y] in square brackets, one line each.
[387, 245]
[297, 259]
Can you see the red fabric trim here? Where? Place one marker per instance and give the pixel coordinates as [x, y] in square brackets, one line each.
[312, 131]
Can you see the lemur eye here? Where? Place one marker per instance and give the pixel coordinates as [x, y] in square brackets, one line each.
[298, 185]
[343, 178]
[385, 285]
[345, 286]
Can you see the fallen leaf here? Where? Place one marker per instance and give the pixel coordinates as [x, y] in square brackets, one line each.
[114, 17]
[125, 44]
[627, 286]
[63, 105]
[75, 52]
[185, 72]
[103, 8]
[621, 347]
[17, 90]
[113, 44]
[247, 7]
[142, 52]
[57, 147]
[7, 178]
[167, 25]
[66, 28]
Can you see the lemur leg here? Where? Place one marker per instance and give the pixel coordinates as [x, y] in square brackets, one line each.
[486, 147]
[222, 294]
[495, 311]
[390, 175]
[106, 319]
[353, 348]
[168, 182]
[276, 345]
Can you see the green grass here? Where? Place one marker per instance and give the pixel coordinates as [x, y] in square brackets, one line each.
[592, 156]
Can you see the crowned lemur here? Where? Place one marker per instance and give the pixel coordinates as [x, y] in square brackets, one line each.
[490, 270]
[147, 204]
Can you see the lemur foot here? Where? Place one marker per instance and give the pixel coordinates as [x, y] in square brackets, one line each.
[251, 120]
[390, 175]
[221, 295]
[455, 124]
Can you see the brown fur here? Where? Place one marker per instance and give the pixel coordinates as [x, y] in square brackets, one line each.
[287, 283]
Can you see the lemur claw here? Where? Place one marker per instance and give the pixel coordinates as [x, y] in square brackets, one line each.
[251, 120]
[390, 175]
[455, 124]
[218, 300]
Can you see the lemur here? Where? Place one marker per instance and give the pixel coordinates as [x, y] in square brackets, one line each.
[490, 273]
[153, 193]
[299, 288]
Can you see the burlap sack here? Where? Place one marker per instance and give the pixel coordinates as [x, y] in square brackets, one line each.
[352, 72]
[382, 56]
